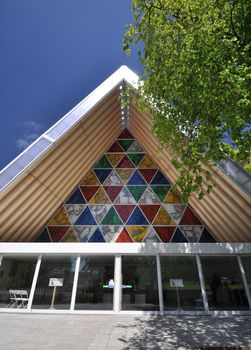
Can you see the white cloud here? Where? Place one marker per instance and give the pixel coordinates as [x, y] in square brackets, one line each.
[30, 131]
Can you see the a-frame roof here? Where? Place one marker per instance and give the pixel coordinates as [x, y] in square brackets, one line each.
[35, 184]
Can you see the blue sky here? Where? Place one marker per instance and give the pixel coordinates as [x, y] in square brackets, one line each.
[53, 53]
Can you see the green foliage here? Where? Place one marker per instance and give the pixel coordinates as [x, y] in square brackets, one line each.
[197, 79]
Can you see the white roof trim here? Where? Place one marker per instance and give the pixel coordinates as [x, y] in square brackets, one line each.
[25, 159]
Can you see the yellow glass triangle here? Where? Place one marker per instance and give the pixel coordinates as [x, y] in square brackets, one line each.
[137, 232]
[163, 218]
[90, 179]
[70, 237]
[100, 197]
[114, 158]
[173, 197]
[125, 174]
[60, 218]
[147, 163]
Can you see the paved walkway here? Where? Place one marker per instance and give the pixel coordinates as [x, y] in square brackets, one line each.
[113, 332]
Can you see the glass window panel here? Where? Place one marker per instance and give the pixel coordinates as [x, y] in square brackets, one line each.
[180, 283]
[16, 275]
[139, 283]
[57, 271]
[246, 262]
[94, 292]
[224, 283]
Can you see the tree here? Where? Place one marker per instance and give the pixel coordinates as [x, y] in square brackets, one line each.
[196, 58]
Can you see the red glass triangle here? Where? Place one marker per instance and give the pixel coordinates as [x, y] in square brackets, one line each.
[147, 174]
[113, 191]
[89, 191]
[165, 232]
[125, 135]
[124, 211]
[189, 218]
[57, 232]
[124, 237]
[125, 163]
[115, 147]
[150, 211]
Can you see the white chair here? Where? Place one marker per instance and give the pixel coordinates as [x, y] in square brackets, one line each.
[13, 301]
[22, 298]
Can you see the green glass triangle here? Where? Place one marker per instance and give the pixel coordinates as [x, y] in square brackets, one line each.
[136, 191]
[111, 218]
[136, 157]
[43, 237]
[161, 191]
[103, 163]
[125, 144]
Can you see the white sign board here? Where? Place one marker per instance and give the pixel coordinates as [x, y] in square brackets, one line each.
[176, 282]
[56, 282]
[111, 283]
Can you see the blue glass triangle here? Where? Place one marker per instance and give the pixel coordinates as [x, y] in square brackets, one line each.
[206, 237]
[102, 174]
[97, 237]
[178, 237]
[160, 179]
[137, 218]
[136, 179]
[86, 218]
[76, 198]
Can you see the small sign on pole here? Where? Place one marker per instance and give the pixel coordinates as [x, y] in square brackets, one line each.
[55, 282]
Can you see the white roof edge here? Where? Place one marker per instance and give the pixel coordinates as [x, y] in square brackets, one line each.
[25, 159]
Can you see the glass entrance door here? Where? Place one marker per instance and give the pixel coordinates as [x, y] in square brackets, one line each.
[139, 283]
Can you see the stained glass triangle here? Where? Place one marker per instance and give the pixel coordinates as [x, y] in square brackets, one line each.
[161, 191]
[113, 191]
[90, 179]
[116, 148]
[70, 237]
[192, 233]
[111, 218]
[136, 179]
[150, 211]
[178, 237]
[102, 174]
[73, 211]
[165, 232]
[163, 218]
[136, 191]
[111, 233]
[125, 144]
[206, 237]
[76, 198]
[84, 233]
[151, 237]
[103, 163]
[137, 232]
[125, 163]
[175, 211]
[43, 237]
[125, 134]
[173, 197]
[114, 158]
[137, 218]
[124, 211]
[147, 163]
[189, 218]
[135, 157]
[135, 147]
[149, 197]
[147, 174]
[124, 237]
[60, 218]
[99, 211]
[100, 197]
[57, 232]
[86, 218]
[160, 179]
[97, 237]
[89, 191]
[125, 174]
[124, 197]
[113, 179]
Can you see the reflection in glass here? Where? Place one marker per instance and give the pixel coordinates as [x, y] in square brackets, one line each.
[246, 262]
[139, 283]
[58, 271]
[94, 292]
[224, 283]
[180, 283]
[16, 275]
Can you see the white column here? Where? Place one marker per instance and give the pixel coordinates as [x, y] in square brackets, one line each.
[202, 284]
[159, 275]
[75, 284]
[117, 284]
[34, 282]
[245, 282]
